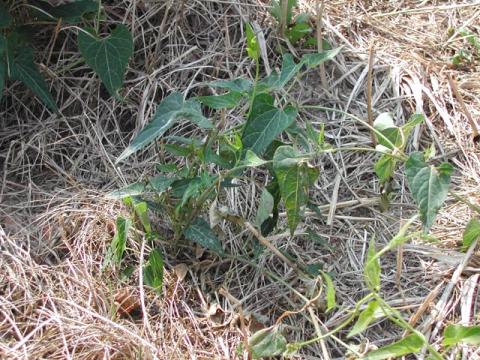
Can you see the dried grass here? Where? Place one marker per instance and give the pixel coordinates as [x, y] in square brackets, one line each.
[57, 300]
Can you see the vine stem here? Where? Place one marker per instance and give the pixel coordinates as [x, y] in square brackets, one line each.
[365, 123]
[398, 319]
[460, 198]
[339, 327]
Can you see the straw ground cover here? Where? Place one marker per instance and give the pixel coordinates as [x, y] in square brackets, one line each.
[59, 301]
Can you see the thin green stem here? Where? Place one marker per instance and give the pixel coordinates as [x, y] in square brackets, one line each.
[398, 319]
[365, 123]
[338, 328]
[255, 84]
[460, 198]
[97, 20]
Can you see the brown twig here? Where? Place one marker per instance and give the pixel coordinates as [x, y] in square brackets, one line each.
[473, 124]
[319, 9]
[371, 57]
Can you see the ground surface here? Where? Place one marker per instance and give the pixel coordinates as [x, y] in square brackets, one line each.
[57, 301]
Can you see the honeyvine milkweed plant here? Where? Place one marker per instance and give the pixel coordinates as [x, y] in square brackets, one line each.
[189, 194]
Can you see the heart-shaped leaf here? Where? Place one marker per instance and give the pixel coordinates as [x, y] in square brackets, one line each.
[237, 85]
[298, 31]
[200, 232]
[22, 68]
[109, 56]
[168, 112]
[265, 123]
[294, 177]
[225, 101]
[454, 334]
[267, 343]
[364, 319]
[276, 10]
[429, 186]
[312, 60]
[70, 13]
[276, 81]
[408, 345]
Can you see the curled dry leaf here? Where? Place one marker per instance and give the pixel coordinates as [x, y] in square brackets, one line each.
[215, 313]
[180, 271]
[127, 302]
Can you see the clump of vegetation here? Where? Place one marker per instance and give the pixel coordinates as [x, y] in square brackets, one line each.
[190, 195]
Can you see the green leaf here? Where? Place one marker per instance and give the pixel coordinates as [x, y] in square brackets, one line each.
[276, 10]
[134, 189]
[168, 112]
[167, 168]
[302, 18]
[454, 334]
[153, 271]
[161, 183]
[313, 60]
[267, 343]
[265, 207]
[372, 268]
[393, 135]
[408, 345]
[178, 150]
[263, 127]
[271, 222]
[70, 13]
[225, 101]
[298, 31]
[385, 167]
[237, 85]
[294, 177]
[141, 209]
[470, 234]
[119, 241]
[252, 160]
[276, 81]
[364, 319]
[5, 18]
[109, 56]
[200, 232]
[413, 121]
[23, 69]
[253, 48]
[429, 186]
[331, 302]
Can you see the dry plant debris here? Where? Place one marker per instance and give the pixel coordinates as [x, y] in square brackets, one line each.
[57, 301]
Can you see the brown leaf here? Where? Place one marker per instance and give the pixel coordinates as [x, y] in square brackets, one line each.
[127, 302]
[181, 271]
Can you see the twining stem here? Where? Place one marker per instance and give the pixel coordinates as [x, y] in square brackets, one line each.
[398, 319]
[255, 84]
[365, 123]
[371, 57]
[460, 198]
[339, 327]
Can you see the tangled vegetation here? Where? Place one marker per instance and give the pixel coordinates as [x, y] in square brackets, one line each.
[273, 149]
